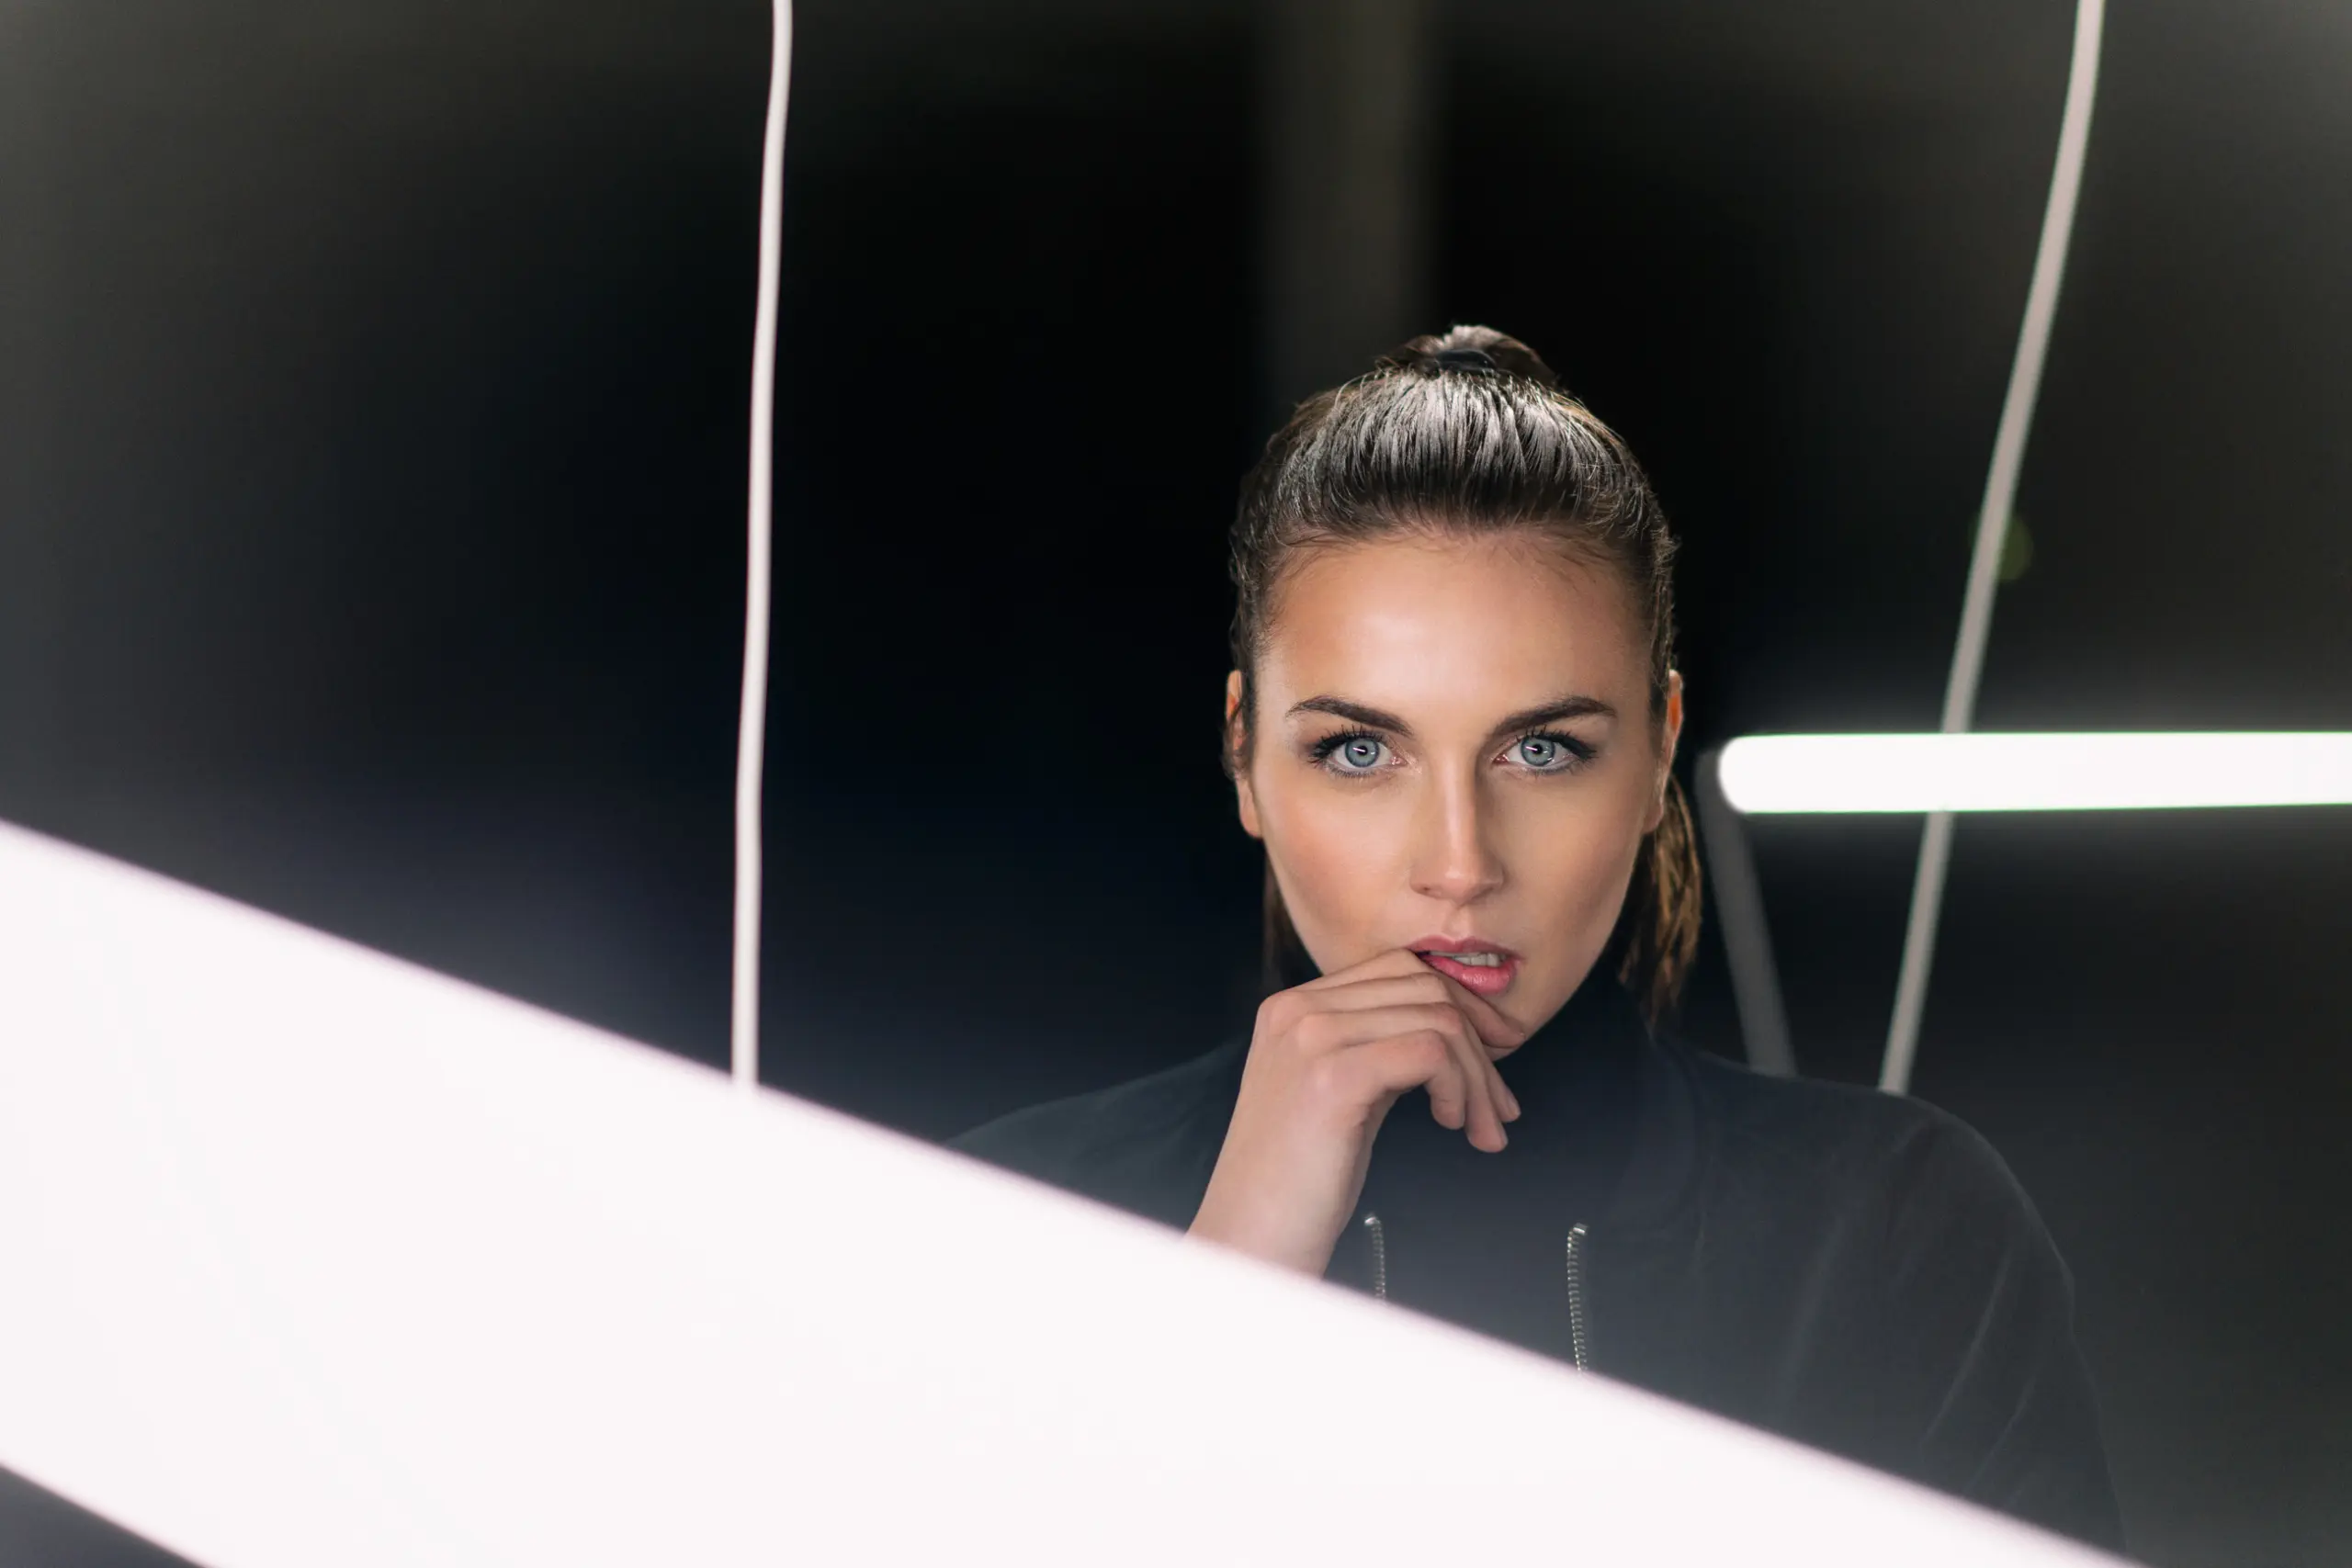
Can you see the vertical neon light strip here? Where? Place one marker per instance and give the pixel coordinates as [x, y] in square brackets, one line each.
[1992, 534]
[751, 742]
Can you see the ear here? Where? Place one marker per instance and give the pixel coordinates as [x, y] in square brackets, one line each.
[1670, 737]
[1244, 798]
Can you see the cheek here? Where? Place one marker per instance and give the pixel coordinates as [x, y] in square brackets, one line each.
[1335, 856]
[1571, 857]
[1580, 867]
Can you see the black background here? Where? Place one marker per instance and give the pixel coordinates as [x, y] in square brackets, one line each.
[372, 412]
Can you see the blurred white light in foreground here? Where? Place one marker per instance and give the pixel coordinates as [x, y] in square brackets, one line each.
[315, 1258]
[2034, 773]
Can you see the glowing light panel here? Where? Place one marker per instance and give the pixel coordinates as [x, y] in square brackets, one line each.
[1826, 774]
[317, 1257]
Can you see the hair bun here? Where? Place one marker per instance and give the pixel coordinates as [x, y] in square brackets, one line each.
[1467, 350]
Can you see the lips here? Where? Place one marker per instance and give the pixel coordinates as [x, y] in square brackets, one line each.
[1479, 965]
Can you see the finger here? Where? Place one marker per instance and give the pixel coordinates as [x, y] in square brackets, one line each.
[1459, 1097]
[1423, 1058]
[1500, 1032]
[1385, 990]
[1451, 1098]
[1422, 987]
[1402, 962]
[1510, 1100]
[1340, 1028]
[1471, 1097]
[1485, 1118]
[1389, 962]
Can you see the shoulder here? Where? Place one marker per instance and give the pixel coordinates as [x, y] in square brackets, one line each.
[1910, 1264]
[1908, 1202]
[1145, 1145]
[1907, 1160]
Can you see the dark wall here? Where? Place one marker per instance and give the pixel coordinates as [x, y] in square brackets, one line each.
[372, 391]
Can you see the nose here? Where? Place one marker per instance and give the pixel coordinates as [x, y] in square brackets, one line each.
[1454, 859]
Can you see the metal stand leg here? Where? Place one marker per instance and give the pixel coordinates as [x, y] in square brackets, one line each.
[1739, 903]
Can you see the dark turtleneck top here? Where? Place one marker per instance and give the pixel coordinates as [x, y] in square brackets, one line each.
[1853, 1269]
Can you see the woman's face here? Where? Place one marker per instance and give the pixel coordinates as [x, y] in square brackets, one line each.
[1454, 753]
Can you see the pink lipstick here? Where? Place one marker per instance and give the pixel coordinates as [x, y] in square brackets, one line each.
[1478, 964]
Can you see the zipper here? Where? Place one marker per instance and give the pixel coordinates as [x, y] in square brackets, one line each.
[1574, 1249]
[1573, 1257]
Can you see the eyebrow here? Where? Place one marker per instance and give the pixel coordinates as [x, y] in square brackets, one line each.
[1526, 719]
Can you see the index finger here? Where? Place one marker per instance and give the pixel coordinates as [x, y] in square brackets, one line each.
[1497, 1032]
[1500, 1032]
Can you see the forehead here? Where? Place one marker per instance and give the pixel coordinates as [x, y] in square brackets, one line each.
[1501, 621]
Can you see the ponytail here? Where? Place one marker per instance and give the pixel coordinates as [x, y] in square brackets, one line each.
[1658, 934]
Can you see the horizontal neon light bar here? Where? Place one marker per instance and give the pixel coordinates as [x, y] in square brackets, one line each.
[1826, 774]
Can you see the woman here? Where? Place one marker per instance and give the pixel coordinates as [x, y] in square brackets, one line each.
[1452, 721]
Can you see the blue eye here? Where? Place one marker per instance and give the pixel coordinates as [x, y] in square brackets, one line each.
[1350, 751]
[1551, 754]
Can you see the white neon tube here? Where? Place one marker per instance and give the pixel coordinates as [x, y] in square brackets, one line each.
[1828, 774]
[1993, 530]
[751, 725]
[315, 1258]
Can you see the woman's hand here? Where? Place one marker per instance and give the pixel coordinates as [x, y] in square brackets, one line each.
[1327, 1062]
